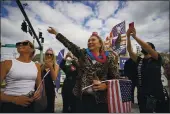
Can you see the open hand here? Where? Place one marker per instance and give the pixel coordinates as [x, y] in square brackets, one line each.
[52, 30]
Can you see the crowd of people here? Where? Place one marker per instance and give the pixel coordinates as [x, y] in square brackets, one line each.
[30, 87]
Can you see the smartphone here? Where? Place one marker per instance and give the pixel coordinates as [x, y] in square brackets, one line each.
[131, 25]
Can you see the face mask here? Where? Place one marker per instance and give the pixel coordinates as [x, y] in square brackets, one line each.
[144, 52]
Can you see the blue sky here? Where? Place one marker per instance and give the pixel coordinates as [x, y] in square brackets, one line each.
[77, 20]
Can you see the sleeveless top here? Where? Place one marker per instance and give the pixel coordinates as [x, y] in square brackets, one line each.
[21, 78]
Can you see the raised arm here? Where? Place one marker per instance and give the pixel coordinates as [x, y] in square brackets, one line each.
[132, 55]
[71, 46]
[145, 46]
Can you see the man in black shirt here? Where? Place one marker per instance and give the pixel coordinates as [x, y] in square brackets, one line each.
[69, 66]
[152, 97]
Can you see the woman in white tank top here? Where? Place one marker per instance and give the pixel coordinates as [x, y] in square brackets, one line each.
[21, 75]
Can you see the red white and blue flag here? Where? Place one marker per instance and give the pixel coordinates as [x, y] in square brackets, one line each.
[119, 46]
[119, 96]
[119, 28]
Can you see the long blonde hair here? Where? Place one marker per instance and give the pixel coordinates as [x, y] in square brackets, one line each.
[53, 59]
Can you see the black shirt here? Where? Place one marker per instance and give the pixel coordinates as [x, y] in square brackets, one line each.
[130, 70]
[49, 85]
[151, 77]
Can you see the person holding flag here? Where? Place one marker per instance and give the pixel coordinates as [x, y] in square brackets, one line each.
[95, 65]
[50, 66]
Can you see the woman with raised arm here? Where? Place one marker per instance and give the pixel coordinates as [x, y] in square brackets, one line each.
[21, 75]
[152, 97]
[95, 65]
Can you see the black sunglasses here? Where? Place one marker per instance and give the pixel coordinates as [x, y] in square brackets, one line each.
[23, 43]
[49, 54]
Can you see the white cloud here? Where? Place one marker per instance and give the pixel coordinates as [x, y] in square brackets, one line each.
[76, 11]
[106, 8]
[111, 22]
[68, 18]
[94, 23]
[143, 14]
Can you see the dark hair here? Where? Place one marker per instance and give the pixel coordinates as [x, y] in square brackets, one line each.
[152, 45]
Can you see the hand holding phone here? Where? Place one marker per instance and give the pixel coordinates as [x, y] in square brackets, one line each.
[131, 25]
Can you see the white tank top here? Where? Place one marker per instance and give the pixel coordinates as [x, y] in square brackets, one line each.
[21, 78]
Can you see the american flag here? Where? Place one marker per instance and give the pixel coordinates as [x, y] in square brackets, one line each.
[119, 28]
[119, 96]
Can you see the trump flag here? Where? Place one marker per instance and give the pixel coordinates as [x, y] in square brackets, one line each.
[118, 34]
[119, 96]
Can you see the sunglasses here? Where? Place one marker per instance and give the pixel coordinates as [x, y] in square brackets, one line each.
[23, 43]
[49, 54]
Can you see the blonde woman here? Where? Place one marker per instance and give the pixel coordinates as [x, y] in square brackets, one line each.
[95, 65]
[50, 64]
[21, 75]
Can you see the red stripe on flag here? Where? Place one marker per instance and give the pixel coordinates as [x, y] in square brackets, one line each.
[118, 96]
[123, 105]
[130, 106]
[127, 105]
[113, 97]
[120, 99]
